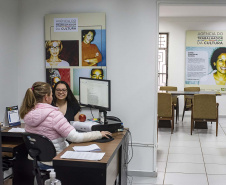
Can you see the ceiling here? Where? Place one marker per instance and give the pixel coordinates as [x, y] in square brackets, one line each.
[191, 11]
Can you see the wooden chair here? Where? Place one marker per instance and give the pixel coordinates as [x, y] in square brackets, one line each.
[165, 109]
[175, 99]
[188, 99]
[204, 109]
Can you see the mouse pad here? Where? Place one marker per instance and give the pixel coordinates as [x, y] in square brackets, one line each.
[104, 140]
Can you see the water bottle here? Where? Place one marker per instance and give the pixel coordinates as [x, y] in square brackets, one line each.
[52, 180]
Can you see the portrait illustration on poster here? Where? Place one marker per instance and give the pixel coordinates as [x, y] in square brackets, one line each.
[62, 53]
[218, 64]
[91, 54]
[53, 75]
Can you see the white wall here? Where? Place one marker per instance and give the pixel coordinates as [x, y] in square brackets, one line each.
[131, 54]
[177, 27]
[8, 54]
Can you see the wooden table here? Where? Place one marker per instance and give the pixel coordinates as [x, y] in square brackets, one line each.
[177, 93]
[111, 168]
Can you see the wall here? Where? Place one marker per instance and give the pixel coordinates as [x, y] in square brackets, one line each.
[8, 54]
[131, 55]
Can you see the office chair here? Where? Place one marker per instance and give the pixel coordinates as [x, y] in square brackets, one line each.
[204, 108]
[188, 99]
[40, 148]
[175, 99]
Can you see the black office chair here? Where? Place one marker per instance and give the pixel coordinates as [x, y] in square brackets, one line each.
[40, 148]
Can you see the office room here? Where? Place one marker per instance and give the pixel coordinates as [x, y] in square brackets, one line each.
[188, 154]
[132, 71]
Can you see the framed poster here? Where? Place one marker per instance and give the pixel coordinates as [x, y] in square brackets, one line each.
[75, 45]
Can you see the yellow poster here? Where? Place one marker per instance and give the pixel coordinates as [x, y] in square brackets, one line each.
[206, 60]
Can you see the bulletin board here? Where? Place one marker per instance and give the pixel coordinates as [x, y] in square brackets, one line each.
[205, 59]
[75, 46]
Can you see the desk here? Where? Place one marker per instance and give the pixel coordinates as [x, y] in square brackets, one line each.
[104, 172]
[13, 146]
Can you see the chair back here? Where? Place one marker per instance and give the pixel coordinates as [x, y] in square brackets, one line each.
[204, 106]
[189, 98]
[192, 89]
[165, 105]
[40, 146]
[170, 88]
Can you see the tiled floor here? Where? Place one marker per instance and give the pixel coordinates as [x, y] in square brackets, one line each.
[184, 159]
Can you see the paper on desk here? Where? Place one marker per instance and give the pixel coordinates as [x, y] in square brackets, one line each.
[17, 130]
[83, 155]
[88, 148]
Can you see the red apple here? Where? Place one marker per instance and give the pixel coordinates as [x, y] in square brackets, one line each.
[82, 117]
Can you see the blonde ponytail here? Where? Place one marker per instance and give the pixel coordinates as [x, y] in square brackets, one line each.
[33, 96]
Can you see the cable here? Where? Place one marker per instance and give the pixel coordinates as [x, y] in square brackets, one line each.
[91, 112]
[131, 145]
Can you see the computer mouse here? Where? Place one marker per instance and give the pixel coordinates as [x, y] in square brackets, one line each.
[109, 137]
[104, 139]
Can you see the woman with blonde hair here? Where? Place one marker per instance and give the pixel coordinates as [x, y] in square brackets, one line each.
[42, 118]
[54, 47]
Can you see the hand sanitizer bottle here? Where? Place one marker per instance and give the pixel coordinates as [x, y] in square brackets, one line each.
[52, 180]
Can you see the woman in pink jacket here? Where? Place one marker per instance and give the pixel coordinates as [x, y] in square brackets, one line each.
[42, 118]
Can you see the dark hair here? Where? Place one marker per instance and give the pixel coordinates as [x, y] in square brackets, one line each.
[215, 55]
[85, 32]
[70, 96]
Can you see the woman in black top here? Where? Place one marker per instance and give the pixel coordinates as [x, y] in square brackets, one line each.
[66, 101]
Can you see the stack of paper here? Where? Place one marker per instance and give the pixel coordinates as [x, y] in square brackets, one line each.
[17, 130]
[83, 155]
[88, 148]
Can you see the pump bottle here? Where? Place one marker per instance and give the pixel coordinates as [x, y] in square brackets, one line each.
[52, 180]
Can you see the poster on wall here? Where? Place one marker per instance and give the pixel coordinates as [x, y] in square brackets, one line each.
[206, 60]
[75, 46]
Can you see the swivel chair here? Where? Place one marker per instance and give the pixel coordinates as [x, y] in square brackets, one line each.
[41, 149]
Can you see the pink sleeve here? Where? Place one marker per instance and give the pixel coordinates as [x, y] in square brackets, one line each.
[61, 125]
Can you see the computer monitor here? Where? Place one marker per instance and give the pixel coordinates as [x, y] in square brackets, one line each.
[95, 93]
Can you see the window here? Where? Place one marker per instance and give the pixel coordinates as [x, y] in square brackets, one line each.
[163, 60]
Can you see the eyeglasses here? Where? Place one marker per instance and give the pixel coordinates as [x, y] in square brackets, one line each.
[61, 90]
[52, 47]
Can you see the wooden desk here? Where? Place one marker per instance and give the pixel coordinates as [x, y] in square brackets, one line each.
[104, 172]
[14, 147]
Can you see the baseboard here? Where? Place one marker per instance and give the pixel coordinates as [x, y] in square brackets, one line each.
[220, 116]
[142, 173]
